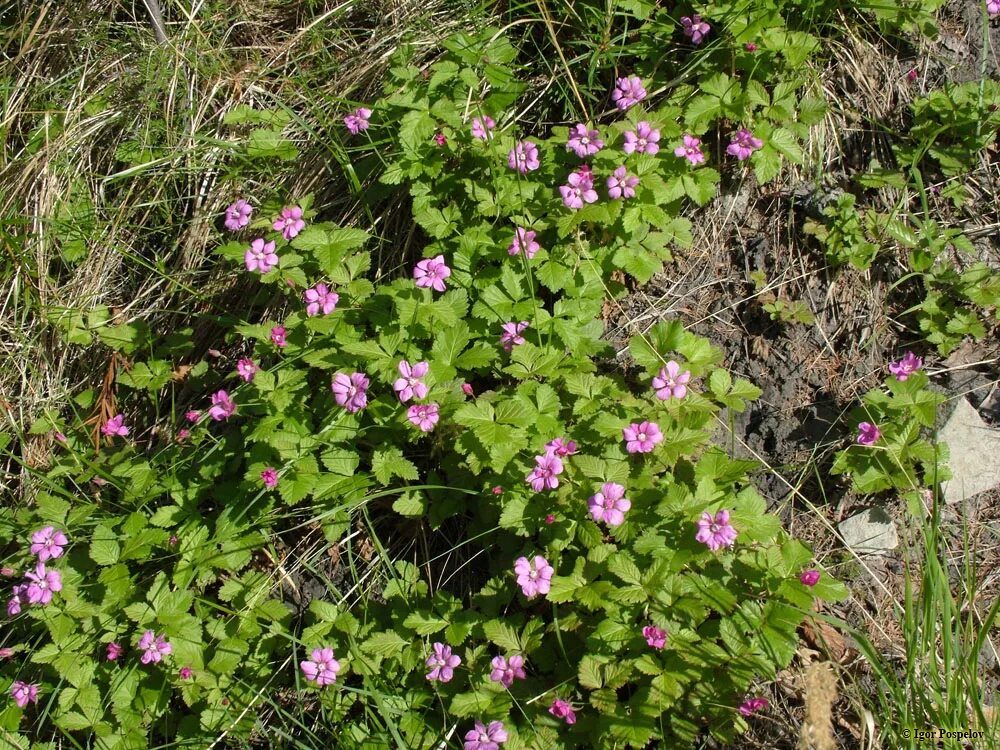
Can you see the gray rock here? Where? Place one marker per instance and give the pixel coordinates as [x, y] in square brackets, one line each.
[975, 453]
[869, 532]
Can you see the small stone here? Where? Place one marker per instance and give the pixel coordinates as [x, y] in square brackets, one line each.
[974, 449]
[870, 532]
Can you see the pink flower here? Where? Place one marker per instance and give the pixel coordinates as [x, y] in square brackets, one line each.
[511, 335]
[173, 540]
[24, 693]
[289, 222]
[192, 416]
[442, 663]
[6, 653]
[498, 490]
[609, 505]
[642, 437]
[911, 75]
[322, 668]
[440, 139]
[261, 256]
[524, 241]
[114, 651]
[18, 599]
[560, 448]
[485, 738]
[694, 28]
[42, 583]
[115, 426]
[716, 532]
[238, 215]
[247, 368]
[868, 433]
[546, 473]
[750, 47]
[59, 436]
[671, 382]
[993, 7]
[223, 406]
[810, 577]
[643, 140]
[278, 337]
[482, 127]
[431, 273]
[579, 189]
[621, 184]
[154, 647]
[523, 157]
[358, 120]
[751, 705]
[655, 637]
[550, 519]
[563, 710]
[584, 142]
[743, 144]
[350, 391]
[186, 673]
[48, 543]
[909, 364]
[467, 390]
[269, 477]
[506, 671]
[627, 92]
[410, 385]
[534, 576]
[691, 150]
[183, 434]
[320, 299]
[423, 416]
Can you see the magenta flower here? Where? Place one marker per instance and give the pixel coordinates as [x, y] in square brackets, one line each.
[584, 142]
[18, 600]
[655, 637]
[431, 273]
[186, 673]
[154, 647]
[61, 437]
[320, 299]
[671, 382]
[993, 8]
[627, 92]
[545, 475]
[358, 120]
[579, 189]
[24, 693]
[289, 222]
[642, 437]
[350, 391]
[269, 477]
[694, 28]
[41, 584]
[716, 532]
[810, 577]
[868, 433]
[261, 256]
[691, 150]
[442, 663]
[750, 47]
[322, 668]
[511, 335]
[743, 144]
[524, 241]
[183, 434]
[534, 576]
[247, 369]
[609, 505]
[440, 139]
[506, 671]
[278, 337]
[909, 364]
[192, 416]
[643, 140]
[410, 385]
[48, 543]
[621, 184]
[223, 406]
[482, 127]
[550, 519]
[6, 653]
[115, 426]
[114, 651]
[561, 448]
[752, 705]
[497, 490]
[238, 215]
[523, 157]
[423, 416]
[467, 390]
[563, 710]
[485, 738]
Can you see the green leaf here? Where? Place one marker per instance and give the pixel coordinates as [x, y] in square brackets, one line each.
[390, 462]
[104, 546]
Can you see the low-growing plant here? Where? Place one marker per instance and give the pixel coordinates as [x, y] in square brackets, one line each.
[843, 235]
